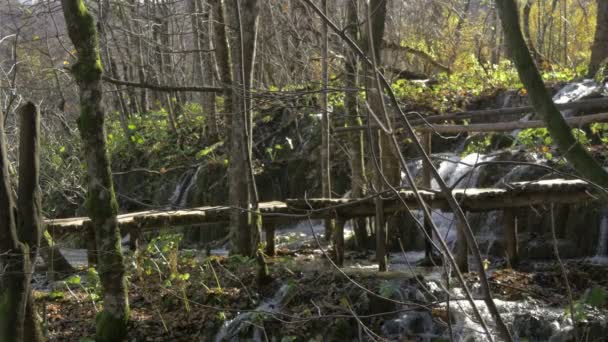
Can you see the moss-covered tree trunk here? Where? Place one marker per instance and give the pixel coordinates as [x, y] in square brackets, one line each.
[101, 201]
[245, 234]
[561, 133]
[358, 180]
[599, 49]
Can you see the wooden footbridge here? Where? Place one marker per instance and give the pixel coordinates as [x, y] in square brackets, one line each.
[506, 198]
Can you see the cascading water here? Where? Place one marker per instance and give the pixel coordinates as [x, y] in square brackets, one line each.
[187, 182]
[231, 329]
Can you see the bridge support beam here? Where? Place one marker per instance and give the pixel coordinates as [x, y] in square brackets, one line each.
[426, 183]
[134, 236]
[91, 244]
[510, 237]
[338, 239]
[380, 224]
[462, 249]
[269, 228]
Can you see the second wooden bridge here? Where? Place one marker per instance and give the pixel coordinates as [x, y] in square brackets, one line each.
[506, 198]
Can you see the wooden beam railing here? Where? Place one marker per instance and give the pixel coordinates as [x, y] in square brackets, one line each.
[590, 106]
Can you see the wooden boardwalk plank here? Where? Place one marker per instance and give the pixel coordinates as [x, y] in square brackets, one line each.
[473, 199]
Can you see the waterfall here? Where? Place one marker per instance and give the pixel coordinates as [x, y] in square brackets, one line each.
[231, 329]
[187, 182]
[460, 170]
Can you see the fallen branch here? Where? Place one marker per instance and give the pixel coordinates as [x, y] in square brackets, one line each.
[198, 89]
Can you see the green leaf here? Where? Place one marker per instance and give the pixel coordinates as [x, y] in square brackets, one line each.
[56, 295]
[73, 280]
[597, 297]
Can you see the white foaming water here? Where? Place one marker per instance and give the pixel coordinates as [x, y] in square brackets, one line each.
[231, 329]
[576, 91]
[179, 198]
[461, 172]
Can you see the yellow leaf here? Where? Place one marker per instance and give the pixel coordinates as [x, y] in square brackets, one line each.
[66, 63]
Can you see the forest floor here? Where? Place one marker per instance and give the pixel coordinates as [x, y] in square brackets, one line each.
[181, 295]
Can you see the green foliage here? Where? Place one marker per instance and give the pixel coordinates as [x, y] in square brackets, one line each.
[539, 139]
[471, 79]
[593, 298]
[601, 131]
[152, 133]
[478, 145]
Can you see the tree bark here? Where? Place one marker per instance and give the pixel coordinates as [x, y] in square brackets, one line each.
[245, 234]
[101, 201]
[222, 57]
[561, 133]
[388, 170]
[358, 179]
[599, 49]
[29, 206]
[526, 26]
[325, 125]
[18, 319]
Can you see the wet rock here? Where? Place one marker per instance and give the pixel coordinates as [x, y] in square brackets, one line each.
[417, 324]
[541, 248]
[532, 327]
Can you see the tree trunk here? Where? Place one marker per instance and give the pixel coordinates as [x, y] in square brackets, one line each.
[54, 260]
[222, 57]
[325, 126]
[567, 144]
[19, 237]
[245, 233]
[101, 201]
[358, 181]
[599, 49]
[526, 26]
[388, 170]
[29, 205]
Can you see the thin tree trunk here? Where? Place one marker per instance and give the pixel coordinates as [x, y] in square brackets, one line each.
[325, 136]
[567, 144]
[223, 58]
[526, 26]
[244, 232]
[458, 33]
[388, 163]
[599, 50]
[357, 161]
[101, 201]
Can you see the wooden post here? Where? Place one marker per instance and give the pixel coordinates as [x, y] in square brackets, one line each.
[338, 239]
[462, 250]
[510, 236]
[426, 183]
[91, 243]
[134, 235]
[269, 227]
[380, 236]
